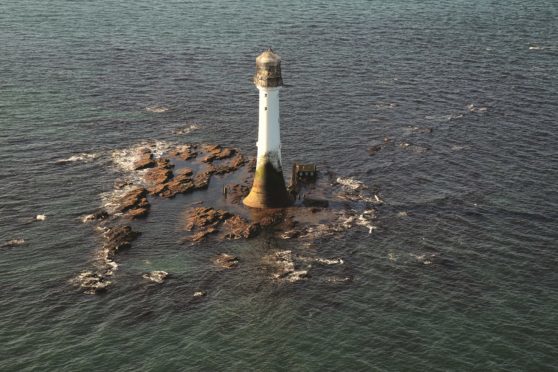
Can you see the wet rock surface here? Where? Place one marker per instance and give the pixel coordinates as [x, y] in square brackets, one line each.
[145, 159]
[90, 282]
[157, 276]
[226, 261]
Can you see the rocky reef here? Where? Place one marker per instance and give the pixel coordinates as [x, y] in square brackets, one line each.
[151, 174]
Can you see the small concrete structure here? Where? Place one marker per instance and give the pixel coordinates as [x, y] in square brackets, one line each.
[304, 173]
[268, 189]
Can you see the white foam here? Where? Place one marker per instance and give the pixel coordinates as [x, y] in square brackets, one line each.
[186, 130]
[110, 200]
[15, 242]
[365, 220]
[157, 109]
[125, 159]
[40, 217]
[84, 157]
[351, 183]
[473, 108]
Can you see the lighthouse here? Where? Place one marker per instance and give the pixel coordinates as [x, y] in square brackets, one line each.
[268, 189]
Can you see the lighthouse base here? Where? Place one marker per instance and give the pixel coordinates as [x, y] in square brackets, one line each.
[268, 189]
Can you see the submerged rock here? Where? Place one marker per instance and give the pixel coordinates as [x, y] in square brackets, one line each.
[14, 243]
[284, 268]
[202, 217]
[226, 261]
[117, 238]
[156, 276]
[238, 228]
[184, 152]
[98, 215]
[235, 193]
[90, 282]
[373, 150]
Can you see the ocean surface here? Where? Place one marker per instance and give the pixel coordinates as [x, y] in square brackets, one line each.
[461, 272]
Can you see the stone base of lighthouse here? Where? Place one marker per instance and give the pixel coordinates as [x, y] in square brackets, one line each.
[268, 189]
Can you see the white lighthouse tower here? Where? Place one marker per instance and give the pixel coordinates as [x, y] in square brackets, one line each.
[268, 189]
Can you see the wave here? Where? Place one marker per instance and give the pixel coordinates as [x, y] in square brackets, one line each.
[84, 157]
[351, 183]
[157, 109]
[125, 159]
[186, 130]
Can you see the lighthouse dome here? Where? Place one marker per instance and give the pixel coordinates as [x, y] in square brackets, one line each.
[268, 70]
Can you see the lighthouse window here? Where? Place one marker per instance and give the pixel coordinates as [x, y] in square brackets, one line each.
[266, 109]
[266, 94]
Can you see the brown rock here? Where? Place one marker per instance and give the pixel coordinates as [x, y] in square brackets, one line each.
[184, 172]
[235, 193]
[118, 237]
[185, 152]
[238, 228]
[202, 217]
[180, 184]
[164, 163]
[201, 180]
[216, 152]
[200, 235]
[226, 261]
[157, 176]
[135, 198]
[137, 213]
[238, 161]
[145, 159]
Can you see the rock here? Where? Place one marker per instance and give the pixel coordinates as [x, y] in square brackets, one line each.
[164, 163]
[185, 152]
[291, 234]
[14, 243]
[120, 184]
[235, 193]
[184, 172]
[373, 150]
[200, 235]
[226, 261]
[202, 217]
[252, 165]
[118, 237]
[101, 214]
[180, 184]
[134, 203]
[421, 130]
[90, 282]
[137, 213]
[201, 180]
[145, 159]
[238, 161]
[284, 267]
[216, 152]
[238, 228]
[156, 276]
[157, 176]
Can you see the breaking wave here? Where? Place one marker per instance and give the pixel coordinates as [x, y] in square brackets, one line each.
[157, 109]
[83, 157]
